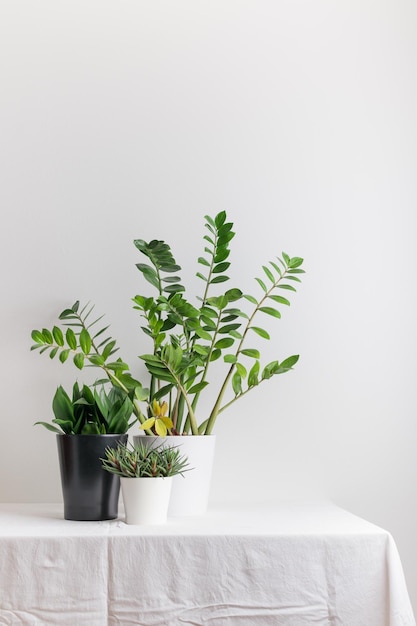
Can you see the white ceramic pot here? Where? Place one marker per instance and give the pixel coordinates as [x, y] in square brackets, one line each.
[146, 500]
[190, 492]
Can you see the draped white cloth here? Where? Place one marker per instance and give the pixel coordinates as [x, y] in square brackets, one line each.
[293, 564]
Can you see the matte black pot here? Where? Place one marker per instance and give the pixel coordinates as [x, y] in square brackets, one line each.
[90, 493]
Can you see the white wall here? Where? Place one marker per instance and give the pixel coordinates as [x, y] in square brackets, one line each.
[133, 119]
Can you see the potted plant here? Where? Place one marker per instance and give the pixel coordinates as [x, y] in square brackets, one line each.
[146, 474]
[188, 341]
[192, 338]
[85, 424]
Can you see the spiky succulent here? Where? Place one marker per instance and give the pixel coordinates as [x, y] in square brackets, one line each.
[144, 461]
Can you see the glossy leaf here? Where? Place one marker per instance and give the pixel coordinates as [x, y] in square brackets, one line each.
[71, 339]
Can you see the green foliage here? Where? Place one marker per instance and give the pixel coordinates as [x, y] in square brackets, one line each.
[144, 461]
[81, 340]
[90, 411]
[188, 338]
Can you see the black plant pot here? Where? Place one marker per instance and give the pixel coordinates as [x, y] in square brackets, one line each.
[90, 493]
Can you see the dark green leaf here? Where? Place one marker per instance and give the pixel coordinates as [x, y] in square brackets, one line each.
[219, 279]
[226, 342]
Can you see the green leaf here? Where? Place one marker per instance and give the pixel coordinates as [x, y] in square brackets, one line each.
[203, 261]
[270, 311]
[53, 352]
[251, 352]
[237, 383]
[289, 287]
[85, 341]
[221, 267]
[219, 279]
[241, 369]
[50, 427]
[64, 355]
[268, 273]
[37, 336]
[47, 335]
[71, 339]
[108, 350]
[290, 361]
[149, 273]
[220, 218]
[226, 342]
[203, 334]
[228, 328]
[261, 332]
[280, 300]
[230, 358]
[62, 405]
[198, 387]
[253, 375]
[262, 284]
[295, 262]
[250, 298]
[79, 360]
[58, 336]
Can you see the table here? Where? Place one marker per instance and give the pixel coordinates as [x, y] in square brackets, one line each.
[285, 564]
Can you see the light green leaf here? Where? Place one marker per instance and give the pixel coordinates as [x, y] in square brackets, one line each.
[251, 352]
[270, 311]
[268, 273]
[261, 332]
[262, 284]
[280, 300]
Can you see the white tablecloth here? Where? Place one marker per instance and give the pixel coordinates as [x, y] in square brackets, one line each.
[294, 564]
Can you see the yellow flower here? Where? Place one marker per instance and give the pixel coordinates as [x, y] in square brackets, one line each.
[159, 421]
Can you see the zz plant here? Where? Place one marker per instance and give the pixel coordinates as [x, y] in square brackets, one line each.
[187, 338]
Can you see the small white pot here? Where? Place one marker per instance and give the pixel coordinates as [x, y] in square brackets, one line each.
[190, 492]
[146, 500]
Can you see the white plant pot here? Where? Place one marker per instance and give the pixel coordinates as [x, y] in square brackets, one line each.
[146, 500]
[190, 492]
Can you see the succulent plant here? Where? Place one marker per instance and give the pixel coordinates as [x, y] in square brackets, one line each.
[144, 461]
